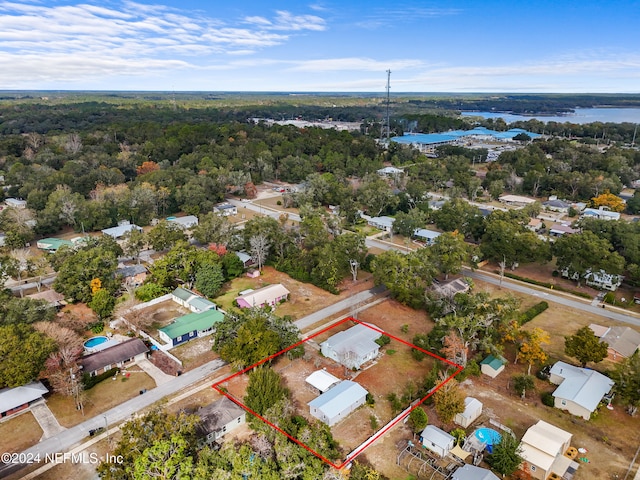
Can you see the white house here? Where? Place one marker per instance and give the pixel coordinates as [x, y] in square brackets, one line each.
[492, 366]
[516, 200]
[471, 472]
[381, 223]
[190, 300]
[600, 214]
[14, 400]
[270, 295]
[123, 227]
[352, 347]
[219, 418]
[322, 380]
[542, 449]
[556, 205]
[226, 209]
[338, 402]
[472, 411]
[427, 236]
[602, 279]
[436, 440]
[16, 203]
[390, 172]
[118, 355]
[580, 390]
[185, 223]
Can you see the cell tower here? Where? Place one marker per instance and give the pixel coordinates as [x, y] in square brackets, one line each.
[386, 129]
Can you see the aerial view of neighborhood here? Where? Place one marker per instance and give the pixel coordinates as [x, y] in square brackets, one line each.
[237, 244]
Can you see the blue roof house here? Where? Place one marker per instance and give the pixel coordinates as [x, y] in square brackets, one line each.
[338, 402]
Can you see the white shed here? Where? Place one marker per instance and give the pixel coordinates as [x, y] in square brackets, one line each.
[437, 440]
[322, 380]
[472, 410]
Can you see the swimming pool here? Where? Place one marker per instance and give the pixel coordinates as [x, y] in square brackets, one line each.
[95, 341]
[488, 436]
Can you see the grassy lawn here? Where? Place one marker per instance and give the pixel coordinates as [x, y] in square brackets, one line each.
[100, 398]
[19, 433]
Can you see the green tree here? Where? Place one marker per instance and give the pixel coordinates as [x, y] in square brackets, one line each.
[522, 383]
[450, 252]
[407, 223]
[165, 235]
[585, 347]
[102, 303]
[449, 400]
[418, 419]
[264, 390]
[376, 195]
[134, 242]
[209, 279]
[626, 374]
[213, 228]
[456, 214]
[506, 456]
[24, 310]
[510, 241]
[23, 352]
[149, 291]
[253, 342]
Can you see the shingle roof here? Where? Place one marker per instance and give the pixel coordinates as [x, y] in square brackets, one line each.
[192, 322]
[582, 386]
[623, 340]
[14, 397]
[110, 356]
[131, 270]
[338, 398]
[217, 414]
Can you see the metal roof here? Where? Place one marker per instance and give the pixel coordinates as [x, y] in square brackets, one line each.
[187, 221]
[425, 138]
[541, 444]
[322, 380]
[582, 386]
[192, 322]
[424, 233]
[120, 230]
[14, 397]
[359, 339]
[437, 436]
[471, 472]
[265, 294]
[334, 401]
[493, 362]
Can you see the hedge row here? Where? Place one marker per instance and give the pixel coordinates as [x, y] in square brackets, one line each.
[532, 312]
[89, 382]
[546, 285]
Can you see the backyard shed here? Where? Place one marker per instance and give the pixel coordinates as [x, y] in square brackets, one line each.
[322, 380]
[472, 410]
[492, 366]
[436, 440]
[338, 402]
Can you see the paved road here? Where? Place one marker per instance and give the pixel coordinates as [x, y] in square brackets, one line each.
[354, 300]
[63, 441]
[263, 210]
[552, 297]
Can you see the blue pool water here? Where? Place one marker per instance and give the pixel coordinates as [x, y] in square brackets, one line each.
[488, 436]
[94, 341]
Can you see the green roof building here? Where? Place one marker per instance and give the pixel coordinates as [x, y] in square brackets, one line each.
[492, 366]
[53, 244]
[190, 326]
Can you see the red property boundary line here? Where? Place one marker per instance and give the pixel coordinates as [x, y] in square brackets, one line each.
[374, 437]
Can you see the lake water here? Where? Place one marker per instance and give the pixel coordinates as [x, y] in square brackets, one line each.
[581, 115]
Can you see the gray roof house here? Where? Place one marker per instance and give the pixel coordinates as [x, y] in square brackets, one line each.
[122, 228]
[352, 347]
[436, 440]
[14, 400]
[428, 236]
[116, 356]
[219, 418]
[623, 341]
[185, 223]
[557, 205]
[471, 472]
[580, 390]
[338, 402]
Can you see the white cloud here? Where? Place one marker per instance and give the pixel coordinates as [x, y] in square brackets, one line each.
[353, 64]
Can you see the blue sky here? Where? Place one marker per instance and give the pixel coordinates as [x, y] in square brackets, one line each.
[332, 46]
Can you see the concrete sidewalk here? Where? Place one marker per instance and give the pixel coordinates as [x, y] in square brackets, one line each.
[154, 372]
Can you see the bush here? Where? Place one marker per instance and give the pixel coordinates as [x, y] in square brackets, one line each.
[383, 340]
[90, 382]
[96, 327]
[405, 328]
[609, 298]
[149, 291]
[548, 399]
[532, 312]
[370, 399]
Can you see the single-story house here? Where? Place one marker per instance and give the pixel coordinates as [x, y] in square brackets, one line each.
[133, 275]
[623, 341]
[270, 295]
[185, 223]
[53, 298]
[390, 171]
[119, 355]
[602, 279]
[542, 449]
[14, 400]
[436, 440]
[556, 205]
[322, 380]
[600, 214]
[472, 411]
[517, 200]
[492, 366]
[219, 418]
[53, 244]
[352, 347]
[535, 224]
[436, 205]
[246, 259]
[451, 288]
[427, 236]
[226, 209]
[253, 273]
[580, 390]
[15, 202]
[471, 472]
[123, 228]
[557, 230]
[338, 402]
[190, 326]
[381, 223]
[190, 300]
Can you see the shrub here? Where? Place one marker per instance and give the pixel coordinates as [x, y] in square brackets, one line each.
[90, 382]
[609, 298]
[279, 202]
[404, 328]
[383, 340]
[548, 399]
[391, 351]
[96, 327]
[373, 420]
[459, 434]
[370, 399]
[532, 312]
